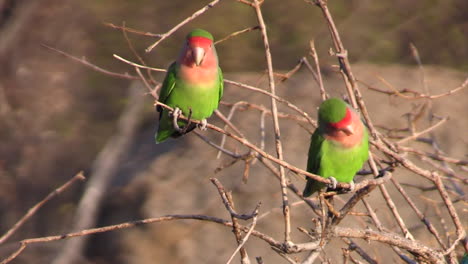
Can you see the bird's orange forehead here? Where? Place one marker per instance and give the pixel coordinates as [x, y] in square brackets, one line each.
[200, 41]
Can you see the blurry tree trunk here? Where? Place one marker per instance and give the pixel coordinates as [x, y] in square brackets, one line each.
[104, 168]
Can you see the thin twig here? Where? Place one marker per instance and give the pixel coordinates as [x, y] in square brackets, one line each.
[237, 232]
[416, 135]
[355, 247]
[221, 149]
[460, 230]
[228, 205]
[277, 98]
[246, 237]
[183, 22]
[416, 94]
[138, 65]
[395, 212]
[229, 118]
[92, 66]
[24, 243]
[234, 34]
[392, 239]
[135, 53]
[124, 28]
[314, 54]
[380, 227]
[33, 210]
[421, 216]
[274, 110]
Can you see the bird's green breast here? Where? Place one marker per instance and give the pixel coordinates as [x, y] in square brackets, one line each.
[202, 98]
[342, 163]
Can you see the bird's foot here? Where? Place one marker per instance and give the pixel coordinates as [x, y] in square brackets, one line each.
[333, 183]
[175, 116]
[202, 125]
[189, 121]
[352, 186]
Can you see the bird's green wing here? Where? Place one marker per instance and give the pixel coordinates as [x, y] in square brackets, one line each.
[168, 83]
[221, 84]
[313, 162]
[165, 129]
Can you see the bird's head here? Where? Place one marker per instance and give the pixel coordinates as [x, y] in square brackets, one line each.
[336, 116]
[199, 43]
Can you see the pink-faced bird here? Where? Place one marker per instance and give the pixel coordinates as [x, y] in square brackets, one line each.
[339, 146]
[193, 85]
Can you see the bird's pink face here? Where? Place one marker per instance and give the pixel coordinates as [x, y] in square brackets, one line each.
[348, 131]
[199, 52]
[345, 125]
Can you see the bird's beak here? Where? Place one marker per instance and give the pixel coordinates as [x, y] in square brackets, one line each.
[198, 55]
[348, 130]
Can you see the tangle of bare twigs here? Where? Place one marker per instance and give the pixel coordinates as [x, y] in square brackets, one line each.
[328, 215]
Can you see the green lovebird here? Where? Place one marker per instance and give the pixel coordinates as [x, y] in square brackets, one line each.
[339, 146]
[193, 85]
[464, 260]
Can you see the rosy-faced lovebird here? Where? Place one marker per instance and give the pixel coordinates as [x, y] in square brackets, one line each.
[339, 146]
[193, 85]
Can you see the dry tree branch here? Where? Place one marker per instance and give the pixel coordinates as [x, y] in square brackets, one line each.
[435, 156]
[242, 243]
[124, 28]
[355, 247]
[244, 105]
[416, 94]
[277, 98]
[24, 243]
[318, 78]
[350, 81]
[429, 129]
[220, 148]
[92, 66]
[380, 227]
[136, 65]
[229, 117]
[237, 234]
[33, 210]
[237, 33]
[391, 151]
[135, 53]
[459, 228]
[421, 216]
[274, 109]
[340, 52]
[392, 239]
[229, 204]
[395, 212]
[183, 22]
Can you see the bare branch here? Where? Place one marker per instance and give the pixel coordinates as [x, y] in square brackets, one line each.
[392, 239]
[92, 66]
[237, 33]
[183, 22]
[274, 110]
[33, 210]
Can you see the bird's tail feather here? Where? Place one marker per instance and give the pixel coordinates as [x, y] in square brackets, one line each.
[166, 129]
[312, 187]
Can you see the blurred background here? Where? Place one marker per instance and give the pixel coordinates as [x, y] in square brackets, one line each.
[57, 115]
